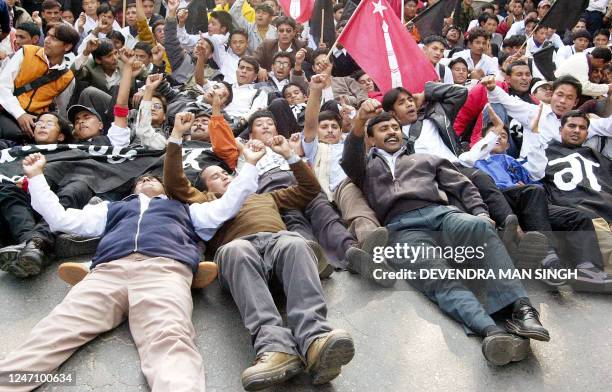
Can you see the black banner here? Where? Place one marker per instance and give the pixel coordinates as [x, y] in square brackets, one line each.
[103, 168]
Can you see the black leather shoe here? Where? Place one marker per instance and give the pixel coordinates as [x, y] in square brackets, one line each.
[525, 322]
[32, 258]
[502, 348]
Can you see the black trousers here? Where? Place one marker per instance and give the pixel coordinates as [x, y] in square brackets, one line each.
[499, 209]
[20, 223]
[9, 129]
[562, 225]
[319, 222]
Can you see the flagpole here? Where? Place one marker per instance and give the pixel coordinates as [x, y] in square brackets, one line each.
[124, 6]
[402, 11]
[322, 26]
[345, 26]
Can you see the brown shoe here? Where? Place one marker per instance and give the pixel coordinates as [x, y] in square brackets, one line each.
[206, 274]
[271, 368]
[72, 273]
[327, 354]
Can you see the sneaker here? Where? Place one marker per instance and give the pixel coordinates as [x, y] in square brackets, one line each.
[271, 368]
[362, 263]
[500, 348]
[72, 245]
[325, 269]
[525, 322]
[377, 238]
[327, 354]
[532, 248]
[591, 279]
[552, 262]
[73, 273]
[206, 274]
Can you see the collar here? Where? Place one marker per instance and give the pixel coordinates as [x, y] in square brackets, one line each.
[135, 195]
[382, 153]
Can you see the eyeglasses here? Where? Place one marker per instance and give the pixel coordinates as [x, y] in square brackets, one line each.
[157, 106]
[285, 31]
[44, 124]
[282, 64]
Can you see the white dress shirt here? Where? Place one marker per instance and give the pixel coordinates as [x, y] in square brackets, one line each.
[336, 173]
[245, 102]
[487, 63]
[549, 124]
[430, 142]
[91, 220]
[10, 103]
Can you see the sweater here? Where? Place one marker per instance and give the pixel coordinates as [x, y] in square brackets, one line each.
[260, 213]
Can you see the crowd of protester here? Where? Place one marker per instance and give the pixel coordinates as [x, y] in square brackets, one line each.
[317, 169]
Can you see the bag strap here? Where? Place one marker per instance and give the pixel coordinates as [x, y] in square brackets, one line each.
[413, 135]
[49, 77]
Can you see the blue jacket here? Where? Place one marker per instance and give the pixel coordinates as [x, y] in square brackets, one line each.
[164, 230]
[505, 171]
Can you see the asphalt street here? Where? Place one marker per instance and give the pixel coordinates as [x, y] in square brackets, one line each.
[403, 342]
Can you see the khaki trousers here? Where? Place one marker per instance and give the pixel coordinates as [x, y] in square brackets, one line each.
[356, 212]
[604, 237]
[152, 292]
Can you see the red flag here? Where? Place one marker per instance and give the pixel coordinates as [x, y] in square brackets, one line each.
[300, 10]
[376, 39]
[396, 5]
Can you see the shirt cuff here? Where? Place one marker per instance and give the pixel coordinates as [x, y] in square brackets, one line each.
[175, 140]
[37, 183]
[293, 159]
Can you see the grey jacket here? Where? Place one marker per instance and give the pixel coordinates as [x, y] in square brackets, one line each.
[420, 180]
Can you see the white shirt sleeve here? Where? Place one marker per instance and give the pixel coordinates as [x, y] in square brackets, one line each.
[144, 129]
[187, 41]
[480, 150]
[119, 137]
[536, 162]
[518, 109]
[8, 101]
[310, 149]
[208, 217]
[601, 127]
[88, 222]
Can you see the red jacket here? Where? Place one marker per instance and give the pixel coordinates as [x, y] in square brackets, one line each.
[472, 111]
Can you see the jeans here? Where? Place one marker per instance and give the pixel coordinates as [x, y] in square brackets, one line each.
[448, 226]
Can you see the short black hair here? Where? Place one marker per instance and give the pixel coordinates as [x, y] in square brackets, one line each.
[104, 8]
[66, 33]
[294, 85]
[430, 39]
[50, 4]
[144, 46]
[224, 18]
[241, 32]
[568, 80]
[338, 7]
[478, 32]
[318, 52]
[384, 116]
[482, 18]
[330, 115]
[30, 28]
[151, 175]
[602, 53]
[287, 20]
[581, 34]
[159, 22]
[114, 34]
[514, 41]
[105, 47]
[285, 55]
[457, 60]
[230, 92]
[265, 8]
[574, 113]
[604, 32]
[511, 66]
[250, 60]
[260, 114]
[391, 96]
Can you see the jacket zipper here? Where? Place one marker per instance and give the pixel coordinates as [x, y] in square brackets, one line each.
[138, 228]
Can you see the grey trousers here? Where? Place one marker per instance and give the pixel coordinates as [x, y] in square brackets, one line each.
[247, 266]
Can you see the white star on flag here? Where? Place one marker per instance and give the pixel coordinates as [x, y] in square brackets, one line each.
[378, 7]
